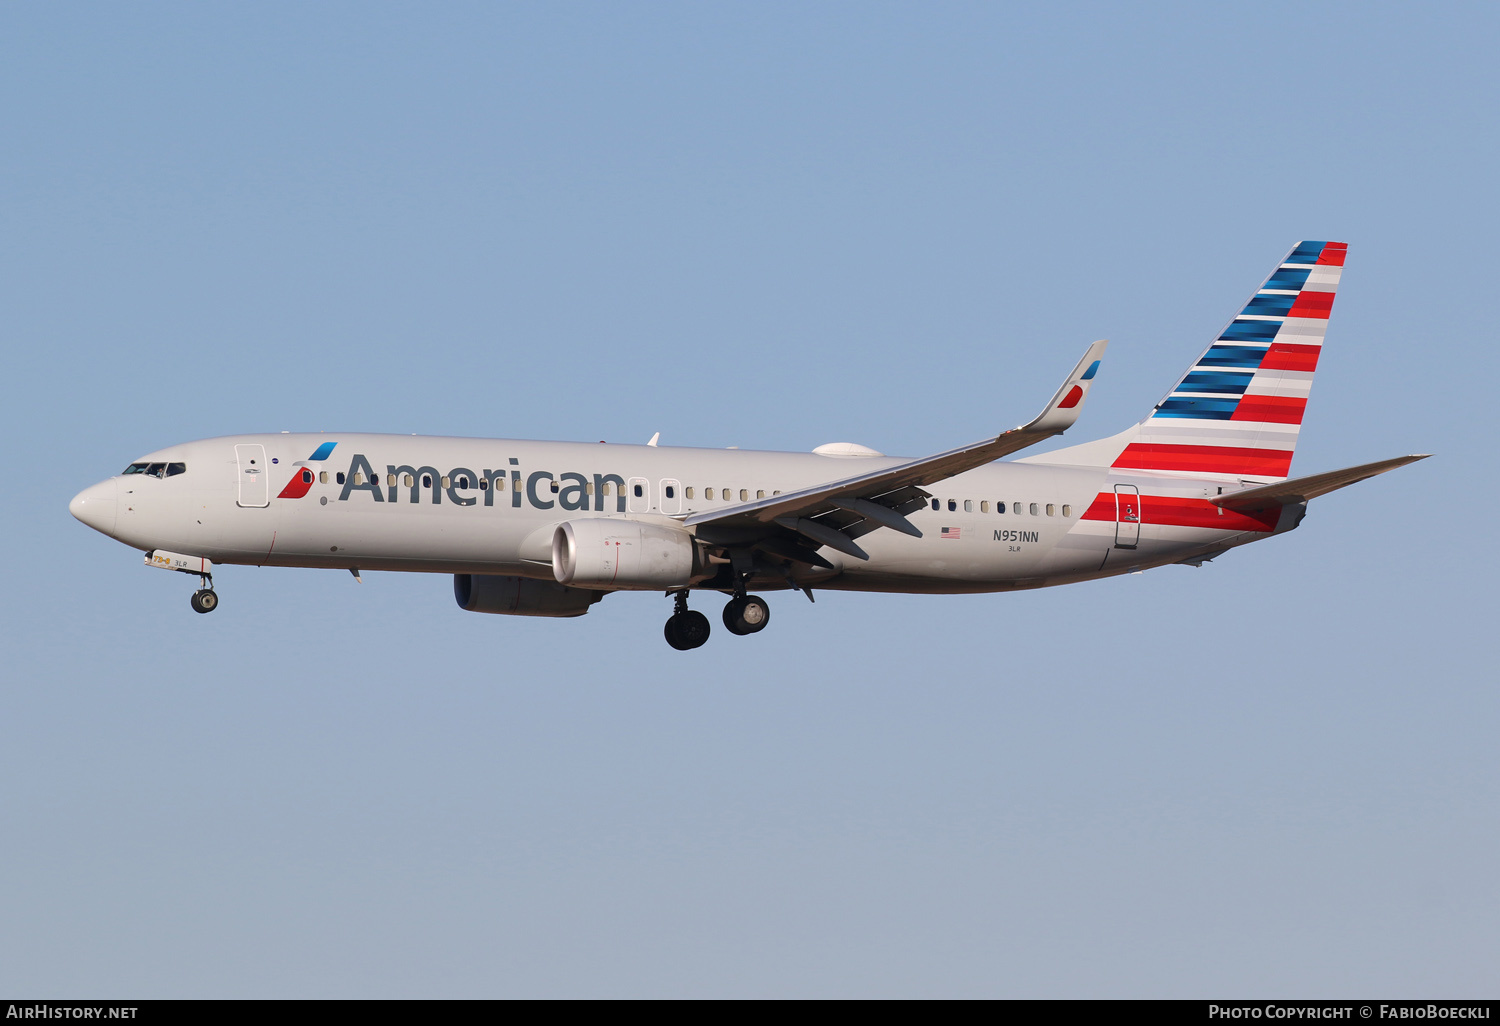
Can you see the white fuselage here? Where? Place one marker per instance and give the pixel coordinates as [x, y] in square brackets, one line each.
[491, 506]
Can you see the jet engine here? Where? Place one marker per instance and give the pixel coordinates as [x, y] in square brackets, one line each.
[604, 552]
[520, 596]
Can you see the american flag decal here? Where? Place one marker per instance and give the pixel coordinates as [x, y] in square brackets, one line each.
[951, 532]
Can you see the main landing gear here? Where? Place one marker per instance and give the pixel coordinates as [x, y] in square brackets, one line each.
[687, 629]
[746, 614]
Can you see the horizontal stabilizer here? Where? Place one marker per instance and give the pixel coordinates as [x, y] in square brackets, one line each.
[1300, 489]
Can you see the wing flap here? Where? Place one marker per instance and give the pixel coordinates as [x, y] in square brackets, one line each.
[1301, 489]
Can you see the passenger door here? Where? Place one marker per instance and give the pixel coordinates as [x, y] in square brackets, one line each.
[254, 476]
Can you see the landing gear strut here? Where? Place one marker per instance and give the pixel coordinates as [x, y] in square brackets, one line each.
[686, 628]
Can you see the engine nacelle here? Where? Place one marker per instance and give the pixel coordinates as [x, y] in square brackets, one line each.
[520, 596]
[605, 552]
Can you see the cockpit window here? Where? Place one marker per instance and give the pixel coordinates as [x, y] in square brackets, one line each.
[157, 469]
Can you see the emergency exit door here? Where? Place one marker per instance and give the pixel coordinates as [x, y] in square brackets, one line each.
[638, 495]
[255, 479]
[1127, 516]
[670, 496]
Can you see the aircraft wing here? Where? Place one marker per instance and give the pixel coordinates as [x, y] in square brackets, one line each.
[836, 512]
[1300, 489]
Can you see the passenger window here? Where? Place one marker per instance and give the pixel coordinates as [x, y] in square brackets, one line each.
[426, 480]
[984, 505]
[968, 505]
[557, 487]
[999, 507]
[689, 491]
[777, 492]
[339, 477]
[1067, 510]
[588, 488]
[1015, 508]
[359, 478]
[708, 493]
[173, 469]
[936, 504]
[638, 491]
[604, 488]
[323, 477]
[515, 483]
[406, 480]
[744, 494]
[671, 492]
[463, 482]
[952, 505]
[1033, 509]
[1051, 510]
[390, 479]
[307, 477]
[760, 493]
[484, 484]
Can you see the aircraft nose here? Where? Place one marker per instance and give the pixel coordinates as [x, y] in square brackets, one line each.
[95, 506]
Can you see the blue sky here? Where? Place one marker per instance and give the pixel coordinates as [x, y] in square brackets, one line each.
[770, 226]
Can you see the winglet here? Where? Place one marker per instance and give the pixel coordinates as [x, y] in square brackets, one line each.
[1062, 412]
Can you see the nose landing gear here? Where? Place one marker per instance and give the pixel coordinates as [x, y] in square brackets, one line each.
[205, 599]
[686, 628]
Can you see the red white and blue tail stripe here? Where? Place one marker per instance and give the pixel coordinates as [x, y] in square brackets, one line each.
[1238, 409]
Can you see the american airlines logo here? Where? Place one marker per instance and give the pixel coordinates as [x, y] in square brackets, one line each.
[301, 481]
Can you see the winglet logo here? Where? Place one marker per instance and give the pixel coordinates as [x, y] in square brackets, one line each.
[302, 480]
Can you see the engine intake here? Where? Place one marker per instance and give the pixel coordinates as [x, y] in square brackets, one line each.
[520, 596]
[605, 552]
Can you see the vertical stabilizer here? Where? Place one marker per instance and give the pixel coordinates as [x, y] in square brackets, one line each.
[1239, 407]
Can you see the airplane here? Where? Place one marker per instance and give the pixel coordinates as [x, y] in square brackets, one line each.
[542, 528]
